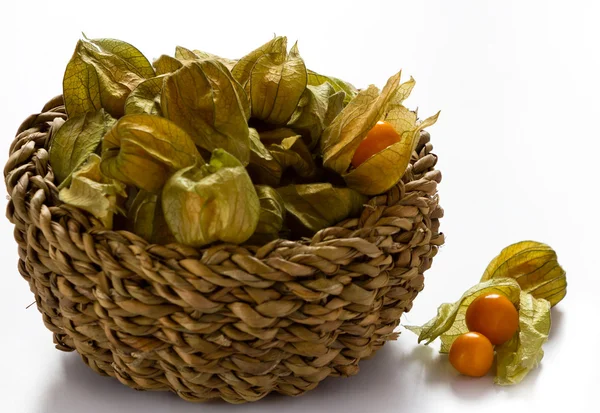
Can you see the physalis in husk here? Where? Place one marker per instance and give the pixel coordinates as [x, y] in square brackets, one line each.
[509, 308]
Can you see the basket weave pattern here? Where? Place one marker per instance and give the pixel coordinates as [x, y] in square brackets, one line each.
[231, 322]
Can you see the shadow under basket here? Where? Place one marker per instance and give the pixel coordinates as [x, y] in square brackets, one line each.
[230, 321]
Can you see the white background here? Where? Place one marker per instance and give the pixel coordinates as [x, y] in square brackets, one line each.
[518, 85]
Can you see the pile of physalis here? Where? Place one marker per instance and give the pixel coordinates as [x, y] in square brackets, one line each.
[508, 309]
[198, 148]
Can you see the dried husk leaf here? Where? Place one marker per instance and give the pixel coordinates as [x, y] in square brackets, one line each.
[273, 80]
[147, 220]
[145, 98]
[76, 139]
[276, 86]
[166, 64]
[289, 152]
[402, 93]
[276, 136]
[272, 215]
[321, 205]
[183, 54]
[213, 202]
[535, 267]
[292, 152]
[228, 63]
[263, 168]
[275, 48]
[315, 79]
[135, 60]
[81, 87]
[264, 171]
[101, 74]
[93, 192]
[257, 147]
[144, 150]
[517, 357]
[209, 104]
[317, 107]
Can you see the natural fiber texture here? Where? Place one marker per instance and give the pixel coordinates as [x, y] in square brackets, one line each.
[231, 322]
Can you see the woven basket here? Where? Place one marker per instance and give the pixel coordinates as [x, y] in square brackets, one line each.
[231, 322]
